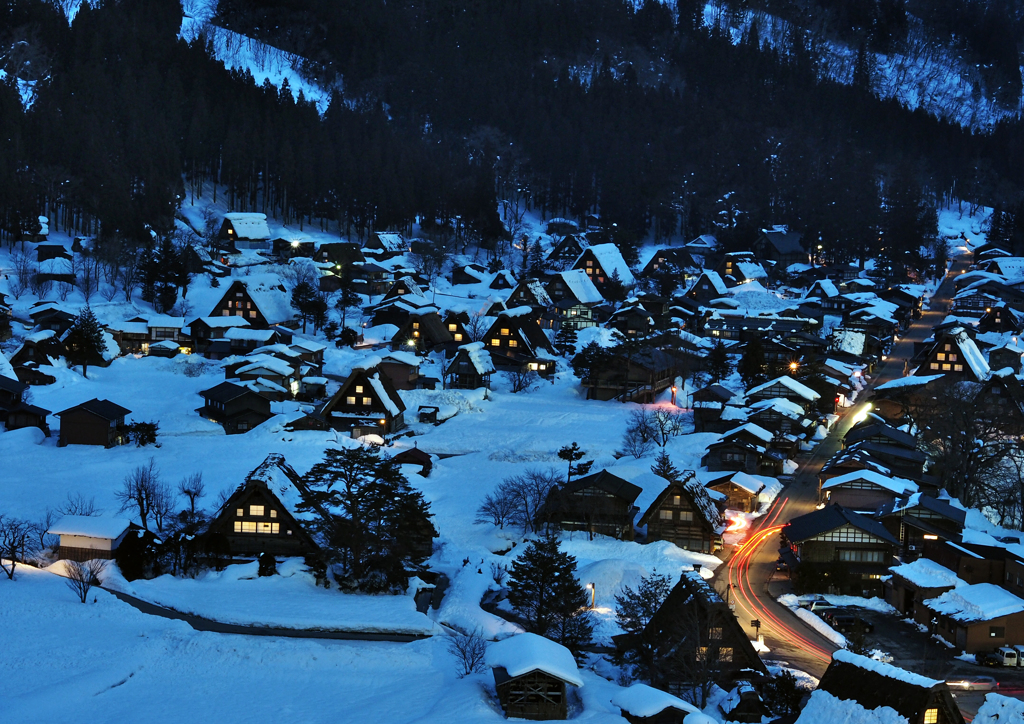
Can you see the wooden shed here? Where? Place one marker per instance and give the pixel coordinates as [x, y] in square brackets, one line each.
[531, 675]
[95, 422]
[84, 538]
[643, 704]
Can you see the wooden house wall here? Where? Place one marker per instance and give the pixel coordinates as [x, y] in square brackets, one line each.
[691, 535]
[594, 511]
[286, 541]
[860, 499]
[236, 302]
[78, 427]
[536, 696]
[737, 498]
[732, 458]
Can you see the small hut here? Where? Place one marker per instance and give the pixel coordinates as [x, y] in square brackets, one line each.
[642, 704]
[530, 675]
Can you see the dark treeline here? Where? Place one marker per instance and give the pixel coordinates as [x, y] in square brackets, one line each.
[575, 106]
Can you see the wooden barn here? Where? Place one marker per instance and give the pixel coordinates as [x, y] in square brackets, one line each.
[873, 685]
[262, 308]
[531, 676]
[422, 333]
[258, 517]
[84, 538]
[599, 503]
[470, 368]
[235, 408]
[366, 403]
[741, 490]
[94, 422]
[245, 231]
[685, 514]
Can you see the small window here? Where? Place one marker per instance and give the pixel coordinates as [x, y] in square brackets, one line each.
[677, 500]
[716, 633]
[931, 716]
[255, 510]
[958, 368]
[240, 512]
[495, 342]
[686, 516]
[997, 632]
[504, 333]
[665, 514]
[359, 389]
[952, 358]
[252, 314]
[725, 654]
[367, 401]
[458, 337]
[947, 347]
[934, 365]
[415, 325]
[350, 400]
[946, 368]
[590, 263]
[243, 425]
[452, 327]
[513, 343]
[940, 357]
[273, 513]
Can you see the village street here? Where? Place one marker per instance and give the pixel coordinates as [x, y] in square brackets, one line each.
[750, 569]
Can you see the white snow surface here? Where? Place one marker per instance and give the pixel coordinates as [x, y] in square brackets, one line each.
[643, 701]
[290, 599]
[90, 526]
[887, 670]
[528, 652]
[926, 573]
[823, 707]
[999, 709]
[978, 602]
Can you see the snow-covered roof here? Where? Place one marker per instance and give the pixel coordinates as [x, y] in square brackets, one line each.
[972, 355]
[751, 270]
[716, 281]
[6, 370]
[528, 652]
[642, 700]
[980, 602]
[90, 526]
[823, 707]
[755, 430]
[786, 381]
[249, 226]
[522, 311]
[266, 362]
[382, 394]
[926, 573]
[911, 381]
[222, 322]
[610, 259]
[827, 287]
[249, 335]
[999, 709]
[480, 357]
[405, 358]
[391, 241]
[748, 482]
[887, 670]
[168, 344]
[899, 486]
[581, 286]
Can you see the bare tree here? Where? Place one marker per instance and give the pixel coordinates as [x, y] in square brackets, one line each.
[14, 534]
[78, 504]
[498, 507]
[20, 278]
[141, 492]
[39, 285]
[520, 380]
[469, 649]
[129, 271]
[163, 504]
[477, 326]
[81, 576]
[665, 423]
[193, 488]
[639, 438]
[88, 275]
[42, 527]
[528, 493]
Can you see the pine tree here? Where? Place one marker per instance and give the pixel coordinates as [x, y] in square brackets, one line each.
[664, 468]
[862, 70]
[614, 290]
[752, 365]
[634, 608]
[572, 454]
[565, 341]
[544, 591]
[85, 340]
[718, 365]
[368, 516]
[304, 300]
[535, 263]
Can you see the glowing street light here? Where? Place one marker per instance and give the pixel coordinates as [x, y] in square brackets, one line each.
[593, 594]
[793, 366]
[674, 390]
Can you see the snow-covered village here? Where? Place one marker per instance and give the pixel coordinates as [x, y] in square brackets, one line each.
[324, 399]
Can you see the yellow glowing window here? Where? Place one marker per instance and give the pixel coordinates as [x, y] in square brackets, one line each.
[931, 716]
[255, 510]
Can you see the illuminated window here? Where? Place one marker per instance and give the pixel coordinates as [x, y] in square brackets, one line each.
[952, 358]
[504, 333]
[940, 357]
[252, 314]
[947, 347]
[931, 716]
[359, 389]
[415, 325]
[240, 512]
[495, 342]
[245, 526]
[686, 516]
[934, 365]
[716, 633]
[676, 499]
[367, 401]
[945, 368]
[255, 510]
[513, 343]
[725, 654]
[273, 513]
[268, 528]
[665, 514]
[452, 327]
[590, 263]
[350, 400]
[958, 368]
[458, 337]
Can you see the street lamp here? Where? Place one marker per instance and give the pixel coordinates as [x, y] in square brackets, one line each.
[674, 390]
[593, 594]
[793, 366]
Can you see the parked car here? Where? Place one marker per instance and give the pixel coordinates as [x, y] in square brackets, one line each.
[973, 683]
[987, 658]
[781, 566]
[827, 614]
[846, 623]
[820, 605]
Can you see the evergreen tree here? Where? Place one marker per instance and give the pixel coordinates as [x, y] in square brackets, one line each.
[565, 341]
[544, 591]
[614, 290]
[368, 516]
[85, 340]
[304, 301]
[572, 454]
[535, 261]
[664, 468]
[718, 365]
[591, 358]
[634, 608]
[752, 367]
[347, 297]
